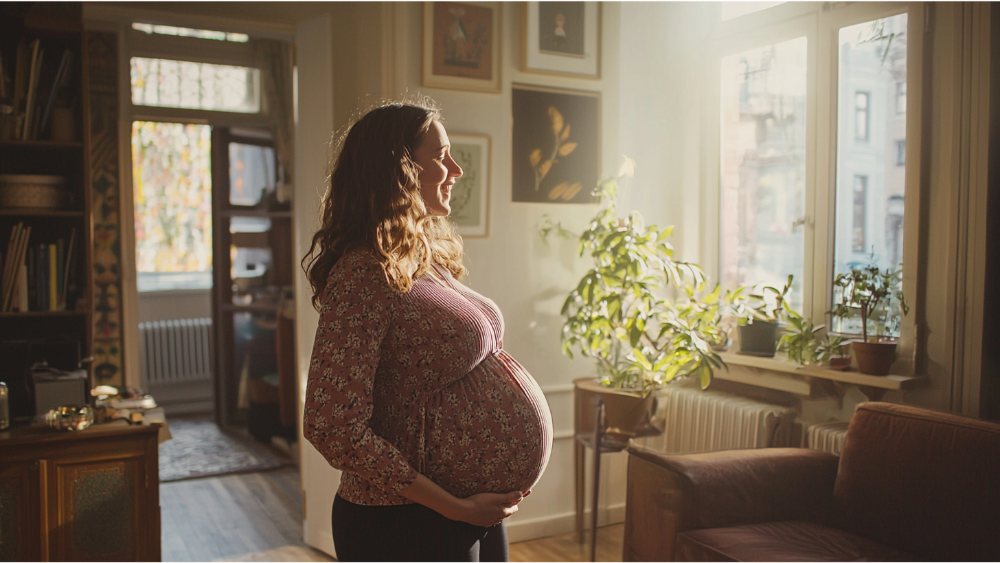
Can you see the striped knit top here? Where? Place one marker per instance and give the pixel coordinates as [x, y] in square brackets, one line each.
[418, 382]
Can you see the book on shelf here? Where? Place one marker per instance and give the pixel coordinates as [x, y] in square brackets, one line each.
[36, 65]
[35, 278]
[59, 83]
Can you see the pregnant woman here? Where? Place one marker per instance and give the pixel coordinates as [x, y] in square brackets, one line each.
[439, 433]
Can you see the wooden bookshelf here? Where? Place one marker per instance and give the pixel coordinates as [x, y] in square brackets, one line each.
[63, 336]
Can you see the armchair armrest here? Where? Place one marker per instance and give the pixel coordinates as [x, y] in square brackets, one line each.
[669, 494]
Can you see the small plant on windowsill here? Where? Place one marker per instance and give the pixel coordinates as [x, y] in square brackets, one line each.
[806, 343]
[759, 319]
[621, 313]
[874, 295]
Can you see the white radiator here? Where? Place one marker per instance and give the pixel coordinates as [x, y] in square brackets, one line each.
[176, 351]
[702, 421]
[827, 437]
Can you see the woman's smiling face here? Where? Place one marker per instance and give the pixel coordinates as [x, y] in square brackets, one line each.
[438, 170]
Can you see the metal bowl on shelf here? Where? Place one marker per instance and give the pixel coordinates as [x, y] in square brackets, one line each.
[70, 417]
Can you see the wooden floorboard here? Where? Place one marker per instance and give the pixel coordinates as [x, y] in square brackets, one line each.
[258, 517]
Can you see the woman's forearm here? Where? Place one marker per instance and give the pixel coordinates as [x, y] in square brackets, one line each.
[430, 494]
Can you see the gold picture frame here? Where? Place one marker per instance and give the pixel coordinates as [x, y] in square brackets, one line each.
[569, 46]
[462, 46]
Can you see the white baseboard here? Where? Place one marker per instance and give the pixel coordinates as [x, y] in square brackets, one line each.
[559, 524]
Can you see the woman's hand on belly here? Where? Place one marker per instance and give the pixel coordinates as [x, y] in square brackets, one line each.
[489, 509]
[484, 509]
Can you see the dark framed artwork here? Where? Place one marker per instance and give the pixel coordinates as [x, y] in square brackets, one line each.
[556, 144]
[461, 46]
[561, 38]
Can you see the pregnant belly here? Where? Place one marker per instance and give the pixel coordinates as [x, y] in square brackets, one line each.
[490, 431]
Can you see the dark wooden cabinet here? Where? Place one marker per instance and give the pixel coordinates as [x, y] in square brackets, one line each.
[86, 496]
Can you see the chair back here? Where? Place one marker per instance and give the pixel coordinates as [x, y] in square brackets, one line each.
[922, 481]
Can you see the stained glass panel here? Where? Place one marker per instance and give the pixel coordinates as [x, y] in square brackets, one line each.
[172, 185]
[187, 84]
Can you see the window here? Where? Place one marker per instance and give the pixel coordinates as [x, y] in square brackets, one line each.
[873, 63]
[172, 194]
[763, 164]
[183, 82]
[861, 116]
[860, 203]
[188, 32]
[193, 85]
[786, 101]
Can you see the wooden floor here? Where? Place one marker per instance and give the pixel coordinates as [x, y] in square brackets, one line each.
[258, 517]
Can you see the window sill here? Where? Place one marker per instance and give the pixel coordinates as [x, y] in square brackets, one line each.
[784, 375]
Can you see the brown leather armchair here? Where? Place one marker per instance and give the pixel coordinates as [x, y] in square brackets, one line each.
[910, 484]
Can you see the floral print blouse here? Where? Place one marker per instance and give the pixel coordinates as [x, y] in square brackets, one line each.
[418, 382]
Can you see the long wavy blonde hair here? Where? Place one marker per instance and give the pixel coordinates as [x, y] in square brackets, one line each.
[373, 201]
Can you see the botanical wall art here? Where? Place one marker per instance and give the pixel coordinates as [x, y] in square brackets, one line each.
[561, 38]
[556, 145]
[462, 45]
[471, 195]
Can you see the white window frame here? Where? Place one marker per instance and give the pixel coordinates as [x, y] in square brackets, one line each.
[820, 24]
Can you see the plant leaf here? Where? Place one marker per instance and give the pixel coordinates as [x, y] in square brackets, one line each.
[557, 120]
[567, 148]
[572, 190]
[558, 190]
[565, 133]
[535, 157]
[627, 168]
[543, 168]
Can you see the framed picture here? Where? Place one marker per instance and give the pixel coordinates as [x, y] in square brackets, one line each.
[470, 198]
[562, 38]
[556, 144]
[462, 45]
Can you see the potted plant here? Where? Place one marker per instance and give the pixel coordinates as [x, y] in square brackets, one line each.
[831, 352]
[758, 327]
[875, 296]
[800, 339]
[621, 314]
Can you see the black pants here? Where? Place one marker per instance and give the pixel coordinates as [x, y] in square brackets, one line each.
[411, 532]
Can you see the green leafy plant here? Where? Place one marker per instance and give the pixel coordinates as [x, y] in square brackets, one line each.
[620, 312]
[758, 308]
[801, 339]
[875, 295]
[832, 347]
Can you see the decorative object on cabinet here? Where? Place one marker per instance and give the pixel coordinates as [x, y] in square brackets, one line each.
[470, 198]
[561, 38]
[556, 144]
[48, 315]
[461, 45]
[90, 495]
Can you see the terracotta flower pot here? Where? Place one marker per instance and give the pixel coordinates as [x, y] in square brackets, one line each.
[759, 338]
[874, 358]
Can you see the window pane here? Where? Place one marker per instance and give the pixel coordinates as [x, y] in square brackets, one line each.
[188, 32]
[186, 84]
[763, 166]
[872, 62]
[730, 10]
[172, 186]
[251, 173]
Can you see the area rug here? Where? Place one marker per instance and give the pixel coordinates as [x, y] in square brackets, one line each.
[198, 448]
